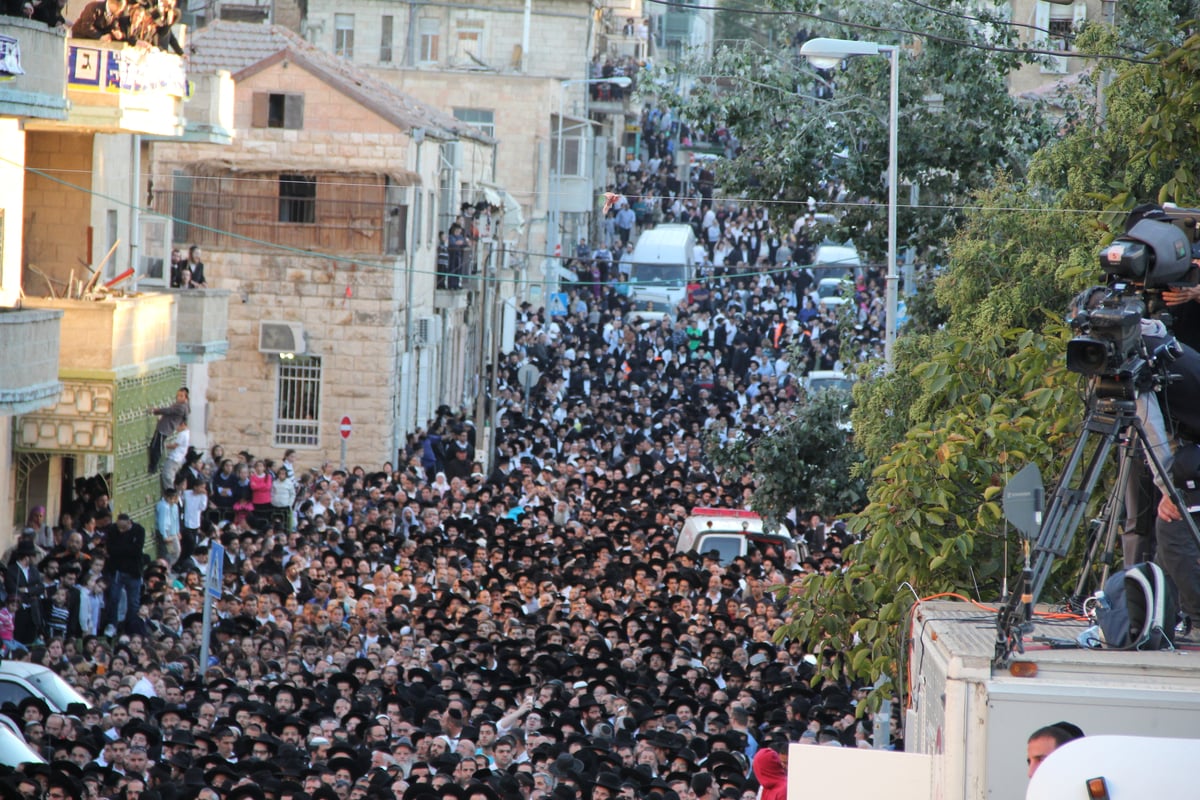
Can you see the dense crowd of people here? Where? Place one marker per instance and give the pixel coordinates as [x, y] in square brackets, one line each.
[432, 628]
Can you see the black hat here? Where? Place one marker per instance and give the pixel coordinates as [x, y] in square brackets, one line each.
[246, 791]
[351, 765]
[345, 677]
[610, 781]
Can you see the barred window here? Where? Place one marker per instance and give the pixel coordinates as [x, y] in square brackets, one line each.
[298, 402]
[298, 199]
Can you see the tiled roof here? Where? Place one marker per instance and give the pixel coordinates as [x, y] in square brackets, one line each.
[241, 46]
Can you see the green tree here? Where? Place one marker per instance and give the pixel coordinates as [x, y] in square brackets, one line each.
[973, 402]
[806, 464]
[982, 397]
[792, 141]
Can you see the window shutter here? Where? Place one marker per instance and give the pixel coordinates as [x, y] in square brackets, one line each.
[260, 113]
[293, 112]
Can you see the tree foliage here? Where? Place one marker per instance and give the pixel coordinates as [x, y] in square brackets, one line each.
[764, 96]
[807, 463]
[971, 403]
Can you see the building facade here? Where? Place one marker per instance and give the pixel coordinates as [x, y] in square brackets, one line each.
[85, 264]
[322, 218]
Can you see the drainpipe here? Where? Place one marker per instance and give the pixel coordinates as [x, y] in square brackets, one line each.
[135, 205]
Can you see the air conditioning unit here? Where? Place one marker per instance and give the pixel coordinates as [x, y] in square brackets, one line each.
[281, 337]
[429, 331]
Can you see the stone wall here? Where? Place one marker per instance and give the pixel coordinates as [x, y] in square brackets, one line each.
[58, 207]
[352, 320]
[557, 42]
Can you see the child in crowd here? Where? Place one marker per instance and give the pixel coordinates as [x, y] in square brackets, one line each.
[58, 614]
[8, 623]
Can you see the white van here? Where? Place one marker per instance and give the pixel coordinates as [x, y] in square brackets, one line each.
[663, 266]
[731, 533]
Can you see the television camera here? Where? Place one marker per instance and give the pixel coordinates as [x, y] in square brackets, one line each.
[1155, 253]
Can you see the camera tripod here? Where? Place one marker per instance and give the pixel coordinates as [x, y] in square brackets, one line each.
[1111, 421]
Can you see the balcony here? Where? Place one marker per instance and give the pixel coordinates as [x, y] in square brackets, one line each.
[117, 336]
[201, 324]
[28, 360]
[36, 57]
[118, 89]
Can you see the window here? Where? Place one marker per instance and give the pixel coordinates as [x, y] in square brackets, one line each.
[277, 110]
[431, 34]
[1055, 26]
[385, 39]
[343, 35]
[396, 222]
[573, 161]
[298, 199]
[468, 45]
[481, 118]
[153, 255]
[298, 402]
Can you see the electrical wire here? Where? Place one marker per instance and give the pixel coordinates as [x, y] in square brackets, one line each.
[305, 252]
[738, 201]
[923, 35]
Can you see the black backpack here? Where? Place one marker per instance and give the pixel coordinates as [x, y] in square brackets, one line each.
[1141, 609]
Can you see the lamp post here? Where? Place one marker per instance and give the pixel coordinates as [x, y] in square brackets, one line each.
[827, 54]
[554, 238]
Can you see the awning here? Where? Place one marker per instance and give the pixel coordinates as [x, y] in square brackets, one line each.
[492, 196]
[512, 217]
[215, 167]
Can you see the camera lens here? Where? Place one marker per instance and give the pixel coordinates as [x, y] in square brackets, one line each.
[1087, 356]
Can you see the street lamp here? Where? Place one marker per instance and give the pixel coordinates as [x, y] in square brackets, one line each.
[827, 54]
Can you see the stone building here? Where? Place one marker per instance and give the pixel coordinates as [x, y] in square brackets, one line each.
[1051, 25]
[321, 218]
[91, 334]
[511, 68]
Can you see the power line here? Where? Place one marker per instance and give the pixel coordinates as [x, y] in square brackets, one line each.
[923, 35]
[737, 201]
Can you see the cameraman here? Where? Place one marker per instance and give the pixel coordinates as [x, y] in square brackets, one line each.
[1178, 550]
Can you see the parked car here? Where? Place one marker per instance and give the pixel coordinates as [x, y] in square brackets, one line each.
[14, 750]
[20, 680]
[731, 533]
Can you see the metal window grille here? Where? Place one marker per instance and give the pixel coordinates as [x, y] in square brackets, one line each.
[298, 199]
[298, 402]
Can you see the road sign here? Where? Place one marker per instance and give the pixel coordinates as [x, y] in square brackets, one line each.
[214, 581]
[558, 304]
[346, 427]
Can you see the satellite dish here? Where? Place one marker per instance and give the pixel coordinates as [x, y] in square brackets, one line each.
[1024, 499]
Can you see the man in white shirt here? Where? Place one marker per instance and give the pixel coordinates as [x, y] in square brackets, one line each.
[176, 452]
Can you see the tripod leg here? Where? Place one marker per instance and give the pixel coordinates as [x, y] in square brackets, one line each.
[1066, 509]
[1111, 518]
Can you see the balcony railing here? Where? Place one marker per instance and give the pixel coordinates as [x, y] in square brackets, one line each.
[34, 56]
[116, 88]
[248, 222]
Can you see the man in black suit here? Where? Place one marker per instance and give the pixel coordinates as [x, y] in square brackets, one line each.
[22, 580]
[126, 540]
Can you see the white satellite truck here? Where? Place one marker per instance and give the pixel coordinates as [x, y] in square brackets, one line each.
[968, 721]
[973, 719]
